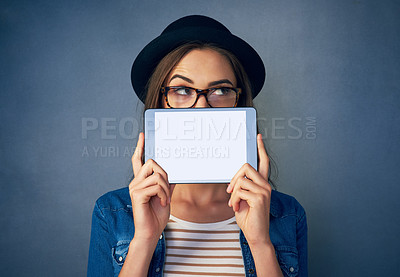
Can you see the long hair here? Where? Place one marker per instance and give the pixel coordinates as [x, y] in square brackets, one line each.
[167, 64]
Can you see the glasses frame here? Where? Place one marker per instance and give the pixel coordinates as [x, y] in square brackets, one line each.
[164, 91]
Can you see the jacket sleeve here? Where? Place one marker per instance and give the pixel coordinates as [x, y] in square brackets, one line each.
[302, 244]
[100, 256]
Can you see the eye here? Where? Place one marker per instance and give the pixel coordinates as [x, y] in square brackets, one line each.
[222, 91]
[182, 91]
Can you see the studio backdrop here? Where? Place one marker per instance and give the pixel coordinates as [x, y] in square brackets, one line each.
[329, 113]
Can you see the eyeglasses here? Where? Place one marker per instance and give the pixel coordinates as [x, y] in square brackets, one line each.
[186, 97]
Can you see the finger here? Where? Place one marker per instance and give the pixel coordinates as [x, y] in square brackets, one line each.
[137, 157]
[152, 167]
[248, 172]
[143, 196]
[262, 190]
[252, 199]
[154, 180]
[233, 181]
[263, 164]
[246, 184]
[238, 196]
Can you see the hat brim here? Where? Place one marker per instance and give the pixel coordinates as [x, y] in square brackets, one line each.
[158, 48]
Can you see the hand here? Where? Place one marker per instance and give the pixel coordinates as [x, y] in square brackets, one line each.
[250, 198]
[150, 194]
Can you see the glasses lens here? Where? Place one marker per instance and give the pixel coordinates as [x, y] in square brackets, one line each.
[181, 97]
[222, 97]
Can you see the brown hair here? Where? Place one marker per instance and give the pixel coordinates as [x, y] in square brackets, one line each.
[166, 65]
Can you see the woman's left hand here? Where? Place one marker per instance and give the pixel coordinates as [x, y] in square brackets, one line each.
[251, 196]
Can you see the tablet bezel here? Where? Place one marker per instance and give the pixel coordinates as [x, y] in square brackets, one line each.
[251, 137]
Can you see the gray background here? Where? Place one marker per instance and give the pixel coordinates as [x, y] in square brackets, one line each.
[329, 110]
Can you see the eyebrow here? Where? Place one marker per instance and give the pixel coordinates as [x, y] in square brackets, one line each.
[223, 81]
[214, 83]
[181, 77]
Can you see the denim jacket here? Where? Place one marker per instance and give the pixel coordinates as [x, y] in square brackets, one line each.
[113, 230]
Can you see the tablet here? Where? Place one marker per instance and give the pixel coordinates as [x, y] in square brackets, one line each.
[203, 145]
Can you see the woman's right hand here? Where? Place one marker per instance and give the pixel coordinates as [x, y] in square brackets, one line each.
[150, 194]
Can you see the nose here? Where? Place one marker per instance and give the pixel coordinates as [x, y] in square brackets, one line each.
[201, 102]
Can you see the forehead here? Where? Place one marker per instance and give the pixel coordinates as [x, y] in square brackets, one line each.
[204, 65]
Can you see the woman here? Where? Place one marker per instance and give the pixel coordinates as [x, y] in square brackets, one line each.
[155, 228]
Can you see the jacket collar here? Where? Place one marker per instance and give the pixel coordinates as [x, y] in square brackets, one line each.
[275, 208]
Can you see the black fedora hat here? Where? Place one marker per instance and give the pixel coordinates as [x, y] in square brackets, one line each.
[195, 28]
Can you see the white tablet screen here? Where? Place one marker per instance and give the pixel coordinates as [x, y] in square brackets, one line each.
[199, 146]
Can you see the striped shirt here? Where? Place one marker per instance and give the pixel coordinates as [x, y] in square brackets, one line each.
[203, 249]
